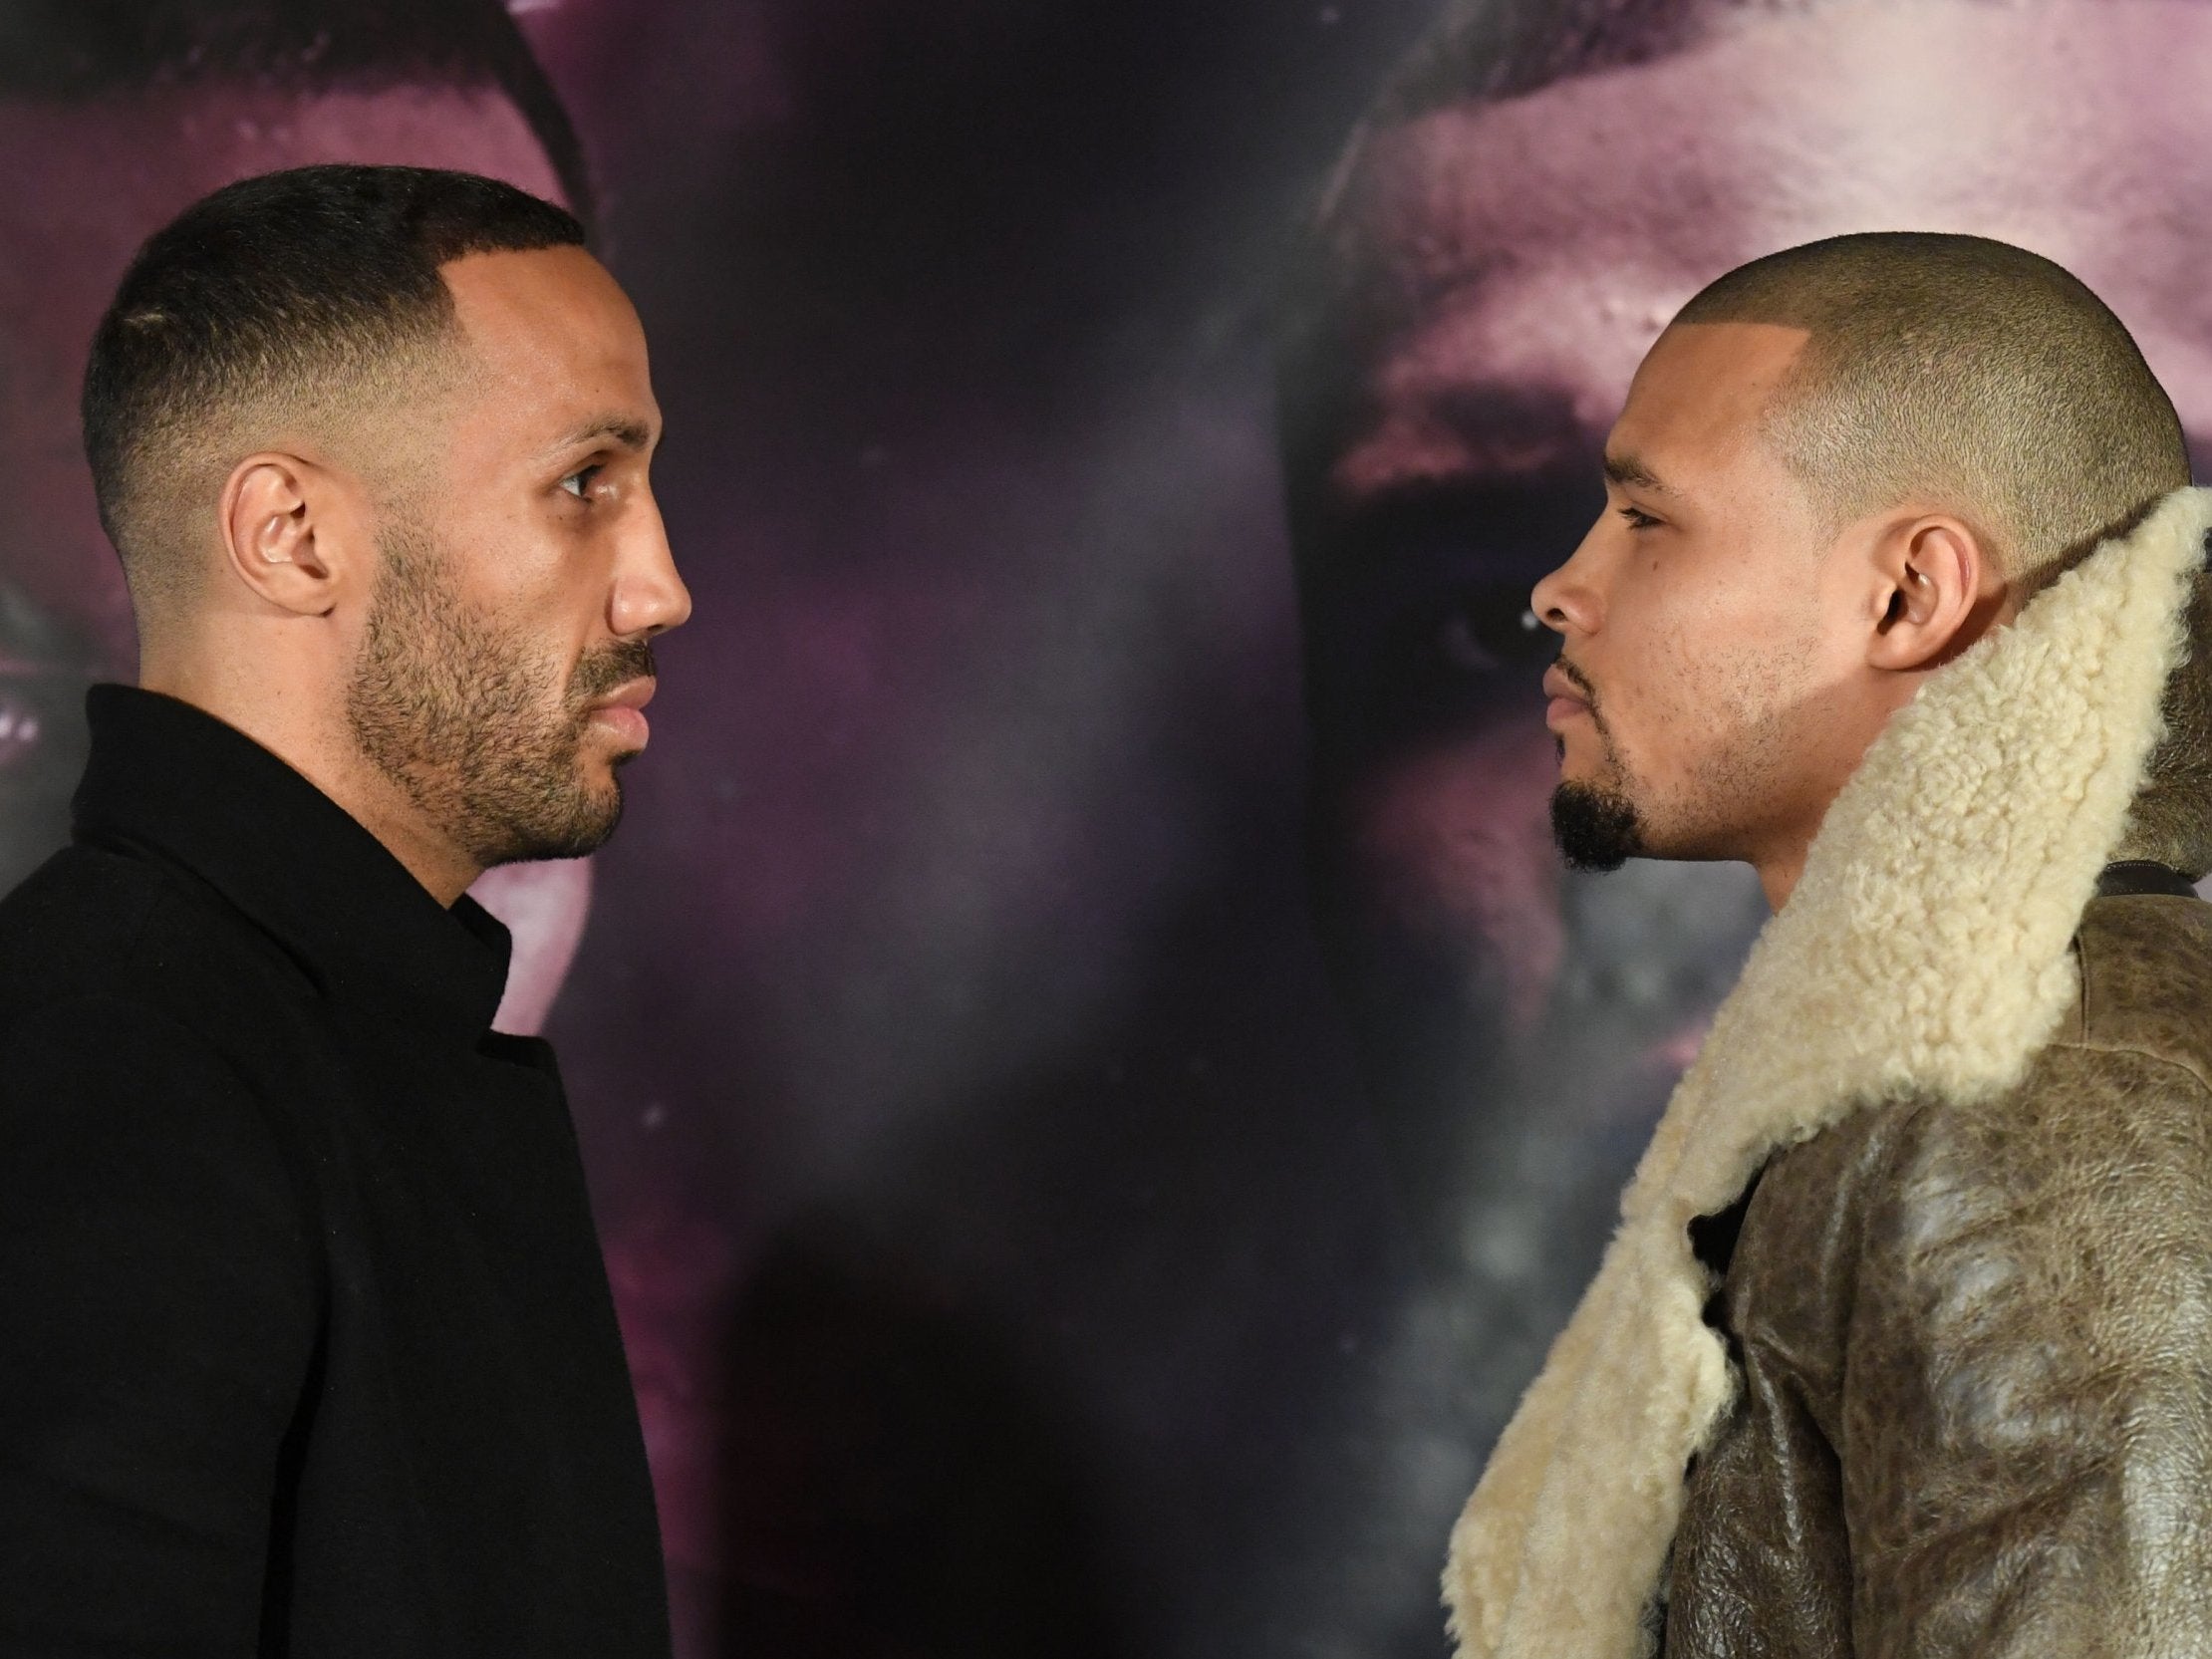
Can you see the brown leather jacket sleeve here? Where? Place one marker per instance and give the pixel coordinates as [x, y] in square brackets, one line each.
[2025, 1421]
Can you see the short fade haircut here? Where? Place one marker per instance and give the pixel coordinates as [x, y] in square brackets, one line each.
[294, 300]
[78, 49]
[1962, 373]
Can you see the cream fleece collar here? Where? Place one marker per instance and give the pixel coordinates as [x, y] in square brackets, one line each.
[1925, 949]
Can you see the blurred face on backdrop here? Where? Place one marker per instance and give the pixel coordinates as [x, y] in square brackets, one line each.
[94, 179]
[1513, 263]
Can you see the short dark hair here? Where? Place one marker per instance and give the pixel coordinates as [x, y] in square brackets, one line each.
[302, 295]
[83, 49]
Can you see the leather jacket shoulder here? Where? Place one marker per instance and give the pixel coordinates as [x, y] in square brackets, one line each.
[1975, 1349]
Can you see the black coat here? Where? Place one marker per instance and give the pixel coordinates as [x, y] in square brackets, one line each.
[305, 1345]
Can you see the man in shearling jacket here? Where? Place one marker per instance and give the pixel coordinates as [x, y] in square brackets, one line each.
[1904, 1345]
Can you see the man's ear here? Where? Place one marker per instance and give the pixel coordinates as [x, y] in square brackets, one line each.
[1936, 588]
[282, 532]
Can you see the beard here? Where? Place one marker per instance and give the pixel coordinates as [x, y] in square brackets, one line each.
[472, 722]
[1596, 828]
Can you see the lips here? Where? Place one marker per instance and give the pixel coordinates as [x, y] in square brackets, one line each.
[620, 712]
[634, 695]
[1566, 702]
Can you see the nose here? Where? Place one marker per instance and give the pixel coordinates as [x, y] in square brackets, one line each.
[648, 597]
[1564, 601]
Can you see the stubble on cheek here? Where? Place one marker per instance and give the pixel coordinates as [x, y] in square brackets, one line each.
[481, 727]
[1724, 724]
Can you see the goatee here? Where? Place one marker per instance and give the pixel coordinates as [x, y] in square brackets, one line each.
[1596, 829]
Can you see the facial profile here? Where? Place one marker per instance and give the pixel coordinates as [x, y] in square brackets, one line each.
[1837, 469]
[1492, 269]
[119, 118]
[1690, 615]
[1528, 205]
[428, 503]
[501, 714]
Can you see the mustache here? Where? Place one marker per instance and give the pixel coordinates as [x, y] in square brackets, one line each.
[610, 667]
[1578, 680]
[1581, 683]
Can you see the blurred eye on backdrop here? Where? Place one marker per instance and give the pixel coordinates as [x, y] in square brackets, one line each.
[1453, 656]
[1487, 630]
[1418, 620]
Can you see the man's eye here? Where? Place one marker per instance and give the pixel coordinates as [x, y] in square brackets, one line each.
[1637, 518]
[579, 483]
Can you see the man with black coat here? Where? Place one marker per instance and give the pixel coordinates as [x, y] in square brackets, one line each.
[305, 1345]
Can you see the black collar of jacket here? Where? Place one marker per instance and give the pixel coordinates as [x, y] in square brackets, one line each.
[2131, 876]
[173, 782]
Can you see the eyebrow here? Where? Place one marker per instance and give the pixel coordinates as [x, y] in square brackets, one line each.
[1626, 468]
[626, 430]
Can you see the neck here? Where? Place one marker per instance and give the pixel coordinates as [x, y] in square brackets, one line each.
[388, 813]
[1778, 856]
[1778, 873]
[300, 729]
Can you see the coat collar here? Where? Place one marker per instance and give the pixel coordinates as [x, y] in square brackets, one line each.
[1990, 803]
[172, 782]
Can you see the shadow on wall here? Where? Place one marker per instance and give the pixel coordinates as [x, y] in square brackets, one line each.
[895, 1484]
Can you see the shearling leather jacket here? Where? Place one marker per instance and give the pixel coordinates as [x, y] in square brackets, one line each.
[1915, 1278]
[1975, 1342]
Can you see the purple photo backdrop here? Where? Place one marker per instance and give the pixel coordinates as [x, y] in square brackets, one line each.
[1003, 1248]
[1096, 1088]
